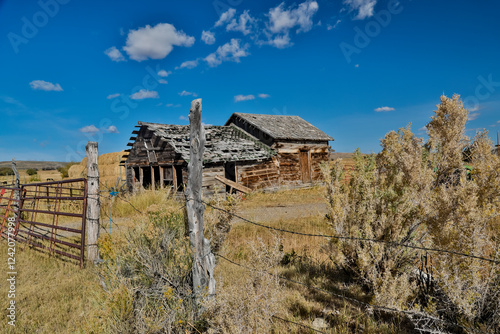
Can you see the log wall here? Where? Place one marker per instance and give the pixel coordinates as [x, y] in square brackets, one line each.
[257, 175]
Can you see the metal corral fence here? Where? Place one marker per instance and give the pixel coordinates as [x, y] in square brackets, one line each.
[50, 217]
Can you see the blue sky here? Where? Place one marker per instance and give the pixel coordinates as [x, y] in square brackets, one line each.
[73, 71]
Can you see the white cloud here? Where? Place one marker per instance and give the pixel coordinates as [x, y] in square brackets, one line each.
[208, 37]
[331, 27]
[155, 42]
[384, 109]
[114, 54]
[239, 98]
[281, 41]
[473, 116]
[225, 17]
[264, 96]
[89, 129]
[231, 51]
[183, 118]
[112, 129]
[189, 64]
[282, 20]
[112, 96]
[163, 81]
[144, 94]
[10, 100]
[171, 105]
[185, 93]
[365, 8]
[164, 73]
[45, 85]
[422, 129]
[243, 25]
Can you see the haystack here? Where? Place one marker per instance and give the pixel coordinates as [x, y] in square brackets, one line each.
[109, 169]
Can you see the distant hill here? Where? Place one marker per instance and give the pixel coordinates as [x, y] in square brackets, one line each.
[34, 164]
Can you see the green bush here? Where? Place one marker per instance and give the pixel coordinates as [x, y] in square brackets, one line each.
[31, 171]
[64, 170]
[35, 178]
[6, 171]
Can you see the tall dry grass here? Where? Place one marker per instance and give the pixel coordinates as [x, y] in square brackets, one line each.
[51, 296]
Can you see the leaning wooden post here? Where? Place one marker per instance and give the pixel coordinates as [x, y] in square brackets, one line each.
[203, 259]
[93, 204]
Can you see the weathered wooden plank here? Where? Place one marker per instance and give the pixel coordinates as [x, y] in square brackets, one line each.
[235, 185]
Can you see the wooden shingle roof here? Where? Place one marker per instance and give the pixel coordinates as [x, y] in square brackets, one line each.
[223, 143]
[283, 127]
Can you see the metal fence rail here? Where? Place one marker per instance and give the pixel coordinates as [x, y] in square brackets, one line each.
[50, 216]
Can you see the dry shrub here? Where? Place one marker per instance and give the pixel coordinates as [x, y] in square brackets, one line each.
[247, 304]
[217, 223]
[146, 283]
[420, 194]
[362, 210]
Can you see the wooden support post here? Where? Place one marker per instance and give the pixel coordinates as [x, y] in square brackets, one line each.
[174, 176]
[152, 178]
[93, 204]
[203, 259]
[141, 177]
[161, 176]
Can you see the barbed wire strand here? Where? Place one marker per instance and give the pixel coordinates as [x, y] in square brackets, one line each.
[390, 243]
[298, 324]
[370, 306]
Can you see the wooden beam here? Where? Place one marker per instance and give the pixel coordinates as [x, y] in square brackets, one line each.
[174, 176]
[152, 178]
[141, 177]
[161, 176]
[233, 184]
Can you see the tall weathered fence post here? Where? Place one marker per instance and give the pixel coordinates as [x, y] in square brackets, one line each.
[93, 204]
[203, 259]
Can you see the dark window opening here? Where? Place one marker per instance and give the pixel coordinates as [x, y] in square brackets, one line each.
[146, 181]
[230, 174]
[178, 172]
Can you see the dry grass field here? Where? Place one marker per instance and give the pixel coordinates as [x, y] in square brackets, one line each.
[42, 176]
[74, 298]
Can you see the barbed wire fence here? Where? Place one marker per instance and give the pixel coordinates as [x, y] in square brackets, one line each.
[410, 314]
[367, 306]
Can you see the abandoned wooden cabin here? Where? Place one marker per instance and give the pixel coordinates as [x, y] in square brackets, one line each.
[251, 151]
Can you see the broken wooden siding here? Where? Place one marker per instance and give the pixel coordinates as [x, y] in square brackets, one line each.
[256, 175]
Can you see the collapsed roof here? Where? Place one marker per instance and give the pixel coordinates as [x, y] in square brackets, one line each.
[223, 143]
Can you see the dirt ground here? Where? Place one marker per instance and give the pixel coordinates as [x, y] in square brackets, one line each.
[282, 212]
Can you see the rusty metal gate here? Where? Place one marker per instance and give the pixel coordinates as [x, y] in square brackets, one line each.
[50, 217]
